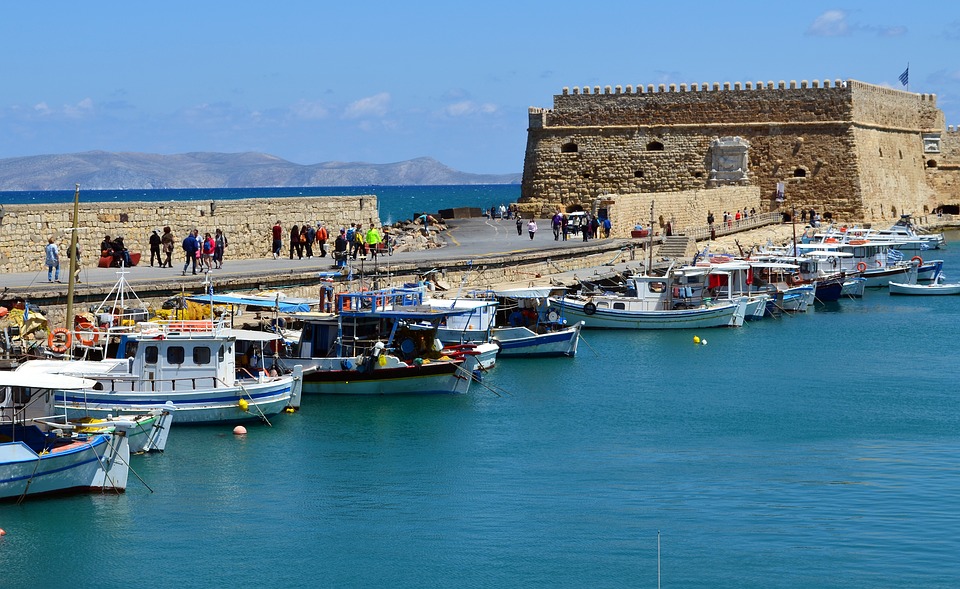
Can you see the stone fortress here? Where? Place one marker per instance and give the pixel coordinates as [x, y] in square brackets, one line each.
[856, 151]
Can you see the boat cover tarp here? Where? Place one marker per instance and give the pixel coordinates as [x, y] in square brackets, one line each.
[285, 306]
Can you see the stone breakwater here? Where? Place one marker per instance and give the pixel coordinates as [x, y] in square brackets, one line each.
[247, 223]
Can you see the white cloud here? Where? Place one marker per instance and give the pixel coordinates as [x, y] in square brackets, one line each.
[832, 23]
[42, 108]
[469, 107]
[371, 106]
[80, 109]
[305, 109]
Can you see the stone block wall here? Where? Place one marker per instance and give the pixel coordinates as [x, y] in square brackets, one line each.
[247, 223]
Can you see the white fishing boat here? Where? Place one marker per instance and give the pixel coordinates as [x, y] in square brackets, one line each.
[381, 343]
[936, 288]
[650, 303]
[36, 459]
[189, 363]
[875, 261]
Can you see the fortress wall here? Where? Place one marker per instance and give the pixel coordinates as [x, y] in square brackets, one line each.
[247, 223]
[685, 208]
[822, 139]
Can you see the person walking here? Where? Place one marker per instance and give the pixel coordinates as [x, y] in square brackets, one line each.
[166, 240]
[532, 228]
[585, 227]
[358, 241]
[207, 246]
[155, 248]
[295, 246]
[52, 255]
[322, 239]
[311, 239]
[607, 226]
[277, 245]
[74, 253]
[340, 249]
[191, 250]
[219, 245]
[557, 225]
[519, 225]
[374, 238]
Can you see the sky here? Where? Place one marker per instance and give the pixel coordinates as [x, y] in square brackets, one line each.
[383, 82]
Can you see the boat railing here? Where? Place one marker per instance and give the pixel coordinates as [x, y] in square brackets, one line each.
[131, 383]
[379, 300]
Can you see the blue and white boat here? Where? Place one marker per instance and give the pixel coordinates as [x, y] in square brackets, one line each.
[649, 303]
[381, 343]
[36, 459]
[190, 364]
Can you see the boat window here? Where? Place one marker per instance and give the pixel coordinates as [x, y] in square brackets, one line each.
[175, 355]
[220, 354]
[859, 252]
[620, 306]
[201, 355]
[130, 350]
[657, 286]
[151, 354]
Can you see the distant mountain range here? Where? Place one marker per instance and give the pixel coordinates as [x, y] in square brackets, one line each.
[101, 170]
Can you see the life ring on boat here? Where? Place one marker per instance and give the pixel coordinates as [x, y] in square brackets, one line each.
[861, 266]
[589, 308]
[59, 340]
[917, 259]
[879, 264]
[343, 301]
[91, 339]
[553, 316]
[832, 260]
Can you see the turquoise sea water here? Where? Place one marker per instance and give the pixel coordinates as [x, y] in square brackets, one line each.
[817, 450]
[396, 203]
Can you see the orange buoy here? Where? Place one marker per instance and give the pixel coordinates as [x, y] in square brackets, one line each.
[239, 431]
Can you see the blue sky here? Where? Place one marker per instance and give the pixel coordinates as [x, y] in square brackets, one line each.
[383, 82]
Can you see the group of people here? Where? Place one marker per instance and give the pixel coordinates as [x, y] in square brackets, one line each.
[206, 251]
[306, 239]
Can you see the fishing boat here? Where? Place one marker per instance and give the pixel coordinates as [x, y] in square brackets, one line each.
[381, 343]
[936, 288]
[471, 323]
[189, 363]
[652, 303]
[36, 459]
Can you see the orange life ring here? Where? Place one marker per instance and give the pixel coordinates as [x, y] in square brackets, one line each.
[861, 266]
[92, 339]
[57, 343]
[343, 301]
[917, 259]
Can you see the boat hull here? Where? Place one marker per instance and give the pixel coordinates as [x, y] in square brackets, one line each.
[880, 278]
[520, 342]
[98, 464]
[897, 288]
[327, 376]
[260, 398]
[722, 315]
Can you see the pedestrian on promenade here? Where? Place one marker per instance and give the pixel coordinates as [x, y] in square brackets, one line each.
[277, 245]
[532, 228]
[75, 253]
[155, 247]
[557, 224]
[607, 225]
[519, 224]
[295, 246]
[191, 250]
[585, 227]
[120, 253]
[322, 239]
[219, 245]
[565, 226]
[311, 239]
[358, 243]
[340, 248]
[373, 239]
[52, 254]
[208, 246]
[167, 242]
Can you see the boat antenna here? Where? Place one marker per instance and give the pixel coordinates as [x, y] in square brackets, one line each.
[72, 254]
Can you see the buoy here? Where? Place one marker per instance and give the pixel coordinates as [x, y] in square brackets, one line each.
[2, 532]
[696, 339]
[382, 361]
[243, 404]
[239, 431]
[703, 342]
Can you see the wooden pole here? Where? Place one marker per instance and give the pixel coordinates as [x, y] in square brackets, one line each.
[72, 254]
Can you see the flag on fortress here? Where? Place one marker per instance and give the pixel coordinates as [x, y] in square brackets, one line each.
[905, 76]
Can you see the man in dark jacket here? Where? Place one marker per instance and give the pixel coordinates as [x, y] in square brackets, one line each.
[191, 245]
[340, 249]
[155, 248]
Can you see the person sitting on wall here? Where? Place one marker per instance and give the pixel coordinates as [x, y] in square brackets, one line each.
[120, 253]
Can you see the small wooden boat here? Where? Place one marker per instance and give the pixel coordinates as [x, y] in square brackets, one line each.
[934, 288]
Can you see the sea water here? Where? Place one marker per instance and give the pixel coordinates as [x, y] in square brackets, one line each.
[814, 450]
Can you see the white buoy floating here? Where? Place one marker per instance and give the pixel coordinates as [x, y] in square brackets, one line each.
[239, 431]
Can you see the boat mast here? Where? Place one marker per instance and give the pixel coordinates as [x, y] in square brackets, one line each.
[650, 242]
[72, 254]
